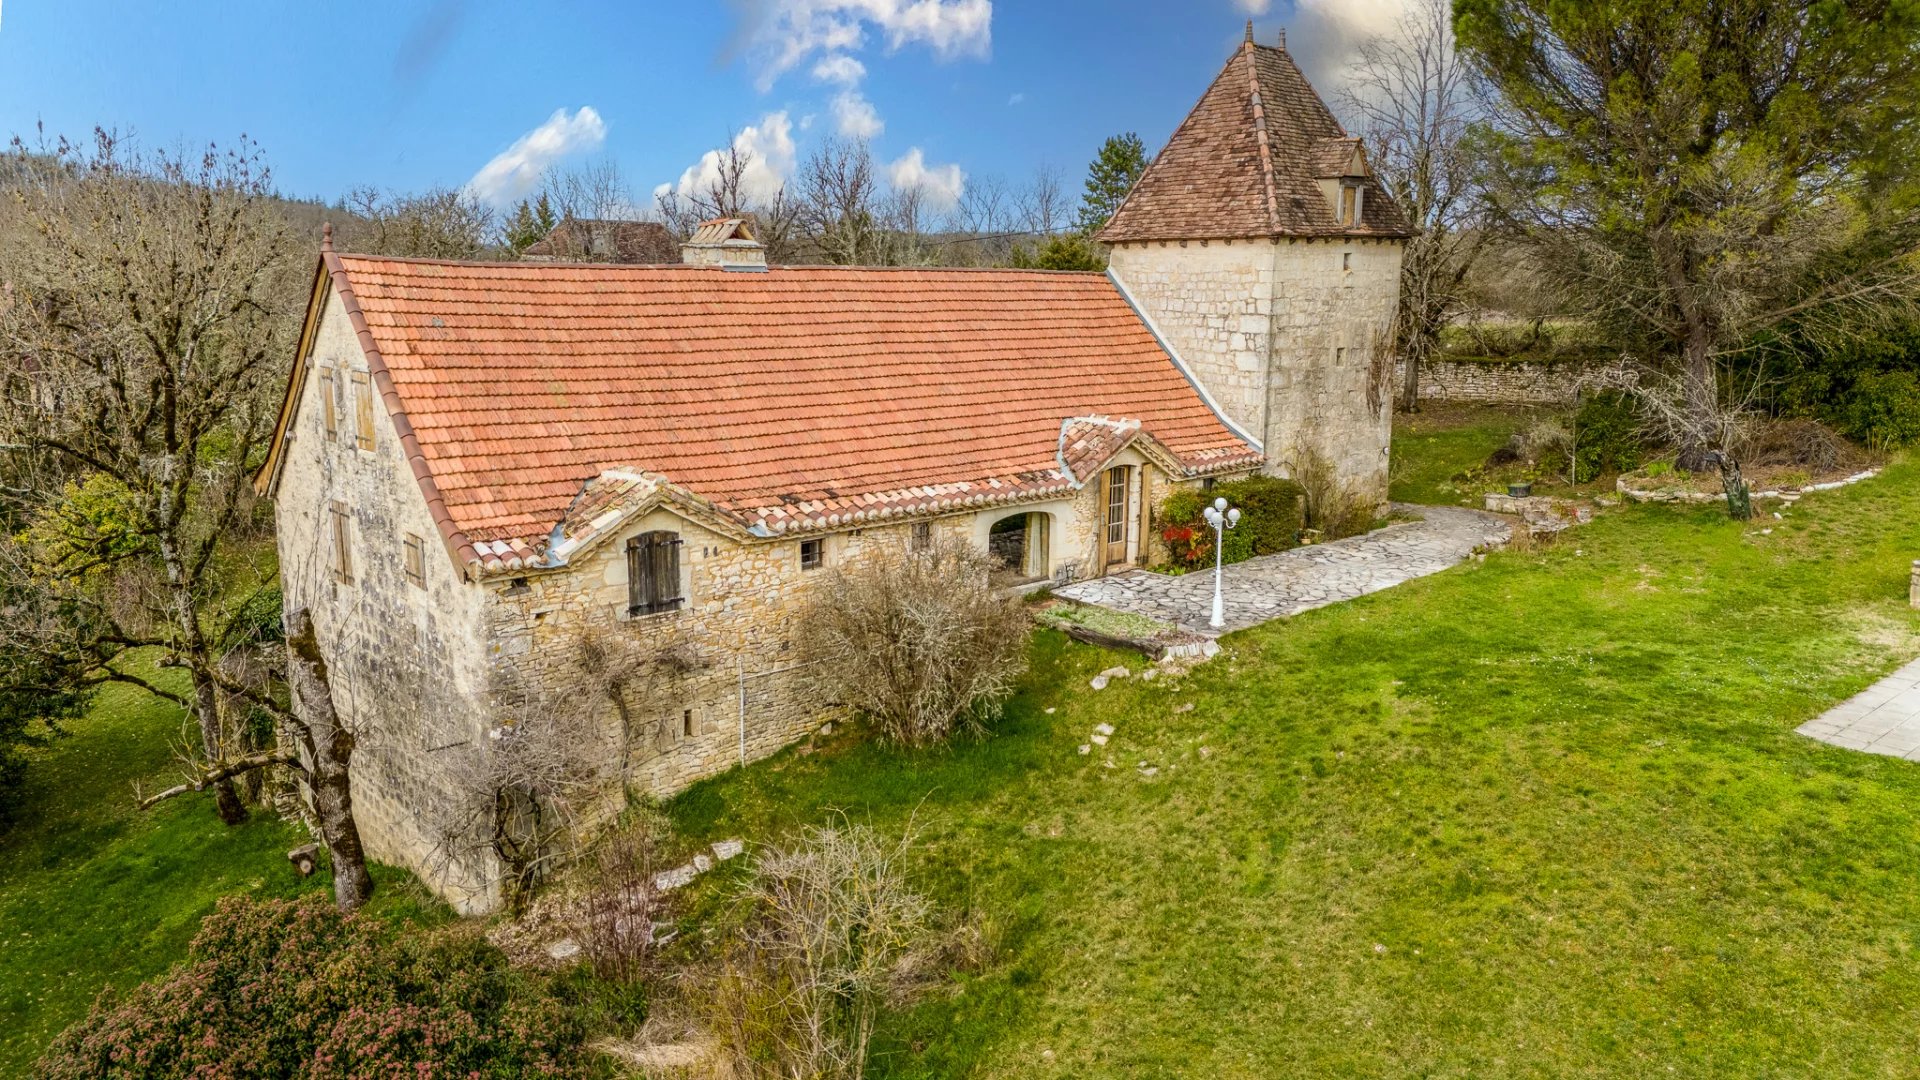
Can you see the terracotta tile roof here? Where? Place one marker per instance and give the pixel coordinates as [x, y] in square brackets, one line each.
[1246, 164]
[795, 399]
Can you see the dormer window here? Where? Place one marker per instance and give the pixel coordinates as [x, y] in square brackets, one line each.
[1351, 204]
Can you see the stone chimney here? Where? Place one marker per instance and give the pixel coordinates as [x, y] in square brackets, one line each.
[727, 243]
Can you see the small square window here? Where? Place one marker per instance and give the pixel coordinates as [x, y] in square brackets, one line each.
[922, 536]
[1346, 262]
[687, 728]
[1340, 357]
[416, 561]
[813, 554]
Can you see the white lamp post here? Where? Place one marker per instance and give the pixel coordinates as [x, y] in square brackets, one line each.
[1221, 519]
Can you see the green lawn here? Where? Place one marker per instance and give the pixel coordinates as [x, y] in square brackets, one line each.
[1430, 448]
[1541, 816]
[94, 892]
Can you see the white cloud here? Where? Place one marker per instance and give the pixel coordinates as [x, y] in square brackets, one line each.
[856, 117]
[840, 68]
[942, 185]
[1254, 7]
[1017, 99]
[784, 33]
[769, 147]
[1325, 36]
[518, 169]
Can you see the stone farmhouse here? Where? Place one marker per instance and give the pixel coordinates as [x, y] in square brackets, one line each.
[476, 463]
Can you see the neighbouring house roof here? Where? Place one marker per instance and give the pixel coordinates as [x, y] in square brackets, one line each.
[532, 399]
[584, 240]
[1246, 164]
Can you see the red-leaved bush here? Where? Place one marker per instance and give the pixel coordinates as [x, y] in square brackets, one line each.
[294, 989]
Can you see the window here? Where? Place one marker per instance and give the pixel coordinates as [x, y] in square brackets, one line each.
[362, 411]
[922, 535]
[1346, 262]
[1349, 204]
[416, 561]
[813, 554]
[653, 573]
[342, 543]
[1340, 357]
[330, 402]
[687, 725]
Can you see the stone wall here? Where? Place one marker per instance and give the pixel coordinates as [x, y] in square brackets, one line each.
[408, 665]
[1287, 337]
[1498, 382]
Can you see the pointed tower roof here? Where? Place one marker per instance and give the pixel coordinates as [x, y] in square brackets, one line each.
[1261, 156]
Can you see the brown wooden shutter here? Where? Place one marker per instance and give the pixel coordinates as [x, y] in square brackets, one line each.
[363, 410]
[330, 402]
[653, 573]
[342, 544]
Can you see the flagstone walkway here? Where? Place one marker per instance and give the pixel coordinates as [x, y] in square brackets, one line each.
[1276, 586]
[1882, 719]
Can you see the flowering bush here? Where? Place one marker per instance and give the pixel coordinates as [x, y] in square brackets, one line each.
[294, 989]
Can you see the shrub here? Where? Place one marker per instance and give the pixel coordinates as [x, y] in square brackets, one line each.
[1608, 437]
[294, 989]
[831, 932]
[1271, 517]
[921, 643]
[1808, 444]
[1883, 410]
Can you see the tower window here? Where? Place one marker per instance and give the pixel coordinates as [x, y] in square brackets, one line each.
[686, 724]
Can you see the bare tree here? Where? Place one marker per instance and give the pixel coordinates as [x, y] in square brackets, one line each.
[1672, 416]
[920, 642]
[1415, 100]
[153, 301]
[839, 204]
[327, 744]
[834, 931]
[1045, 206]
[439, 223]
[727, 195]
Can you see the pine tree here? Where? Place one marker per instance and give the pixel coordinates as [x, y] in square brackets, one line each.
[1109, 178]
[531, 223]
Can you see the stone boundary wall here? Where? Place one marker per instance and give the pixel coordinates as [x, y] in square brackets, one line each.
[1497, 382]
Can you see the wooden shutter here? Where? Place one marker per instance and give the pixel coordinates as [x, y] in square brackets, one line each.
[653, 573]
[362, 410]
[342, 544]
[416, 561]
[330, 402]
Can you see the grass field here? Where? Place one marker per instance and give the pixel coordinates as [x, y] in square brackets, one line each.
[1541, 816]
[92, 891]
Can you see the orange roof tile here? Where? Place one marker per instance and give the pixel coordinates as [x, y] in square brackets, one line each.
[796, 398]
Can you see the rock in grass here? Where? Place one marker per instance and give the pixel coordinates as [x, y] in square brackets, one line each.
[1104, 729]
[1085, 749]
[1098, 682]
[1100, 740]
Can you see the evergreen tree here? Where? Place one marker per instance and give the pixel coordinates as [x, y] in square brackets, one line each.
[531, 222]
[1059, 253]
[1109, 178]
[1690, 172]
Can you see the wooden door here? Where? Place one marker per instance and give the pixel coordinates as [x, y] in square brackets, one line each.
[1116, 490]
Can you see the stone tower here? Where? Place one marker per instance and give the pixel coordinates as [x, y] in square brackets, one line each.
[1267, 256]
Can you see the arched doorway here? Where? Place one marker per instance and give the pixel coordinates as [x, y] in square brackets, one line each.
[1018, 546]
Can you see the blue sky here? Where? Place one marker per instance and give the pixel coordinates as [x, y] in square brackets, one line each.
[405, 94]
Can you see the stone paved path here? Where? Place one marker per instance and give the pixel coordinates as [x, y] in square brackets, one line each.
[1274, 586]
[1883, 719]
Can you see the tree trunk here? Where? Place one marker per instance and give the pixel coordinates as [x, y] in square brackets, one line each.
[1702, 395]
[206, 701]
[1414, 355]
[329, 747]
[1739, 499]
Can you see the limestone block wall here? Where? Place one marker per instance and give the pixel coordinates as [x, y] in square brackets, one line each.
[1498, 382]
[1288, 337]
[407, 662]
[1213, 303]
